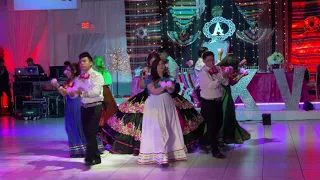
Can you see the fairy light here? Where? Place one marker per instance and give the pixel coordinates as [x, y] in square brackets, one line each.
[238, 43]
[232, 16]
[119, 61]
[276, 23]
[286, 36]
[270, 26]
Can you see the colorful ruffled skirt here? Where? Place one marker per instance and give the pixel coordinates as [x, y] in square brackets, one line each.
[123, 130]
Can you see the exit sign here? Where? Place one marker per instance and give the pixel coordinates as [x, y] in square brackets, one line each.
[85, 25]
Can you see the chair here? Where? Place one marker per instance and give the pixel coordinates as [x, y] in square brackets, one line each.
[316, 82]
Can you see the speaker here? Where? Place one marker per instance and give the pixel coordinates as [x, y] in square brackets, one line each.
[56, 106]
[35, 108]
[266, 119]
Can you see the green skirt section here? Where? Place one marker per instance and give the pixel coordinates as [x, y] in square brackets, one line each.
[231, 132]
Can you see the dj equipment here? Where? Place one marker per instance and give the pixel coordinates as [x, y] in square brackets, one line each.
[30, 79]
[34, 109]
[27, 71]
[58, 73]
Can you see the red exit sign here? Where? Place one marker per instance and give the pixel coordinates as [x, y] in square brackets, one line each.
[85, 25]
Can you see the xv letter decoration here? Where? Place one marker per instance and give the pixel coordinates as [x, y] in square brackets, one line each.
[291, 100]
[240, 90]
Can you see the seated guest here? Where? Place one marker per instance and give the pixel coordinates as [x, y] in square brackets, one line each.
[5, 85]
[31, 63]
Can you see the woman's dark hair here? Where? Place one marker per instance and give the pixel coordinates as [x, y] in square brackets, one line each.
[1, 60]
[207, 54]
[151, 56]
[75, 69]
[201, 51]
[154, 73]
[85, 54]
[66, 63]
[230, 60]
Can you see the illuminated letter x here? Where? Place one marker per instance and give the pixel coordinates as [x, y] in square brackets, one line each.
[240, 89]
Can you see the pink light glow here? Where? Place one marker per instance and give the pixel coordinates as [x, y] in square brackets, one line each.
[275, 103]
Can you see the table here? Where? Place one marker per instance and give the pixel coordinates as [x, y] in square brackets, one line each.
[264, 88]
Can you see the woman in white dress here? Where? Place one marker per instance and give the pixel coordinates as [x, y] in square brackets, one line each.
[162, 138]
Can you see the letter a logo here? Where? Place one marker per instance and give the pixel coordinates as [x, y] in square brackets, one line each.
[217, 30]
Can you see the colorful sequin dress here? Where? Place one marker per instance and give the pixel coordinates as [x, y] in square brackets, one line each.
[73, 125]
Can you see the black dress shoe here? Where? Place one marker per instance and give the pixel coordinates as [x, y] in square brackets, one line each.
[92, 162]
[166, 165]
[205, 149]
[218, 155]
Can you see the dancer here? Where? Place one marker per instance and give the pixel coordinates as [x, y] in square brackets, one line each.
[123, 130]
[170, 62]
[161, 139]
[197, 68]
[109, 104]
[89, 85]
[76, 138]
[231, 132]
[210, 79]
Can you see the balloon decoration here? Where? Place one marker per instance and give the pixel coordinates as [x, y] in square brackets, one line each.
[184, 13]
[252, 11]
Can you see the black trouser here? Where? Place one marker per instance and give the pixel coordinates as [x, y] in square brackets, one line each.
[211, 111]
[90, 117]
[7, 91]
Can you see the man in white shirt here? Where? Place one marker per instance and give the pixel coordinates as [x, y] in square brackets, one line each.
[197, 68]
[90, 87]
[171, 63]
[210, 79]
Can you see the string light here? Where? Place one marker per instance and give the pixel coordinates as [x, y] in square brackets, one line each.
[232, 16]
[119, 61]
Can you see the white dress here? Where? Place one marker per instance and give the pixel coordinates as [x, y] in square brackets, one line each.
[162, 138]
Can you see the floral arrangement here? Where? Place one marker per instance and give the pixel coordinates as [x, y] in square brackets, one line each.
[189, 63]
[275, 59]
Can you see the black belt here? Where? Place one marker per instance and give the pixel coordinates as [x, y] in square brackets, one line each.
[214, 99]
[91, 104]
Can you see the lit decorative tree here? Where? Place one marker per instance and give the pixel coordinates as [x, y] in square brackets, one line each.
[119, 63]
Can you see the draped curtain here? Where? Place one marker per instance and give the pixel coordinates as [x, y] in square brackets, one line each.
[94, 43]
[24, 34]
[107, 18]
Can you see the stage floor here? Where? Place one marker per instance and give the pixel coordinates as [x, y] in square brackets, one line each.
[285, 150]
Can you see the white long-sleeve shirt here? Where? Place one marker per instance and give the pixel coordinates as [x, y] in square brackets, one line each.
[210, 85]
[197, 69]
[92, 87]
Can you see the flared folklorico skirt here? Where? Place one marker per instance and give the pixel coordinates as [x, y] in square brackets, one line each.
[161, 138]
